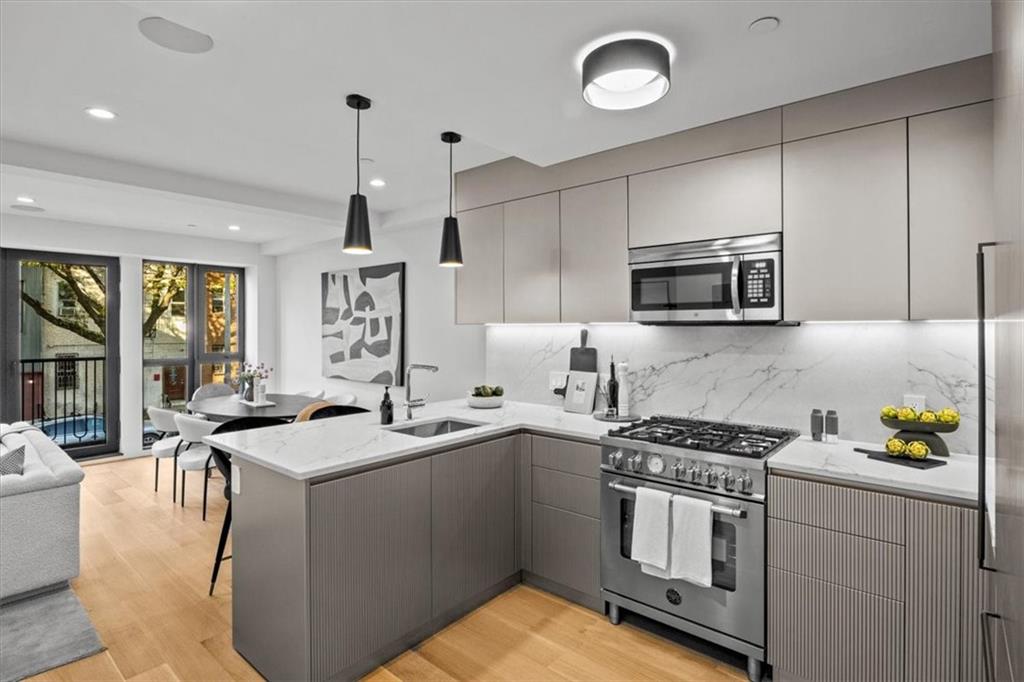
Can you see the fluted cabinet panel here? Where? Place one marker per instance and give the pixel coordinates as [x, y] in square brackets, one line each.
[973, 584]
[820, 631]
[859, 512]
[473, 521]
[839, 558]
[933, 586]
[374, 529]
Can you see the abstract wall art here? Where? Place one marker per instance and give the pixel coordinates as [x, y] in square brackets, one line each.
[363, 324]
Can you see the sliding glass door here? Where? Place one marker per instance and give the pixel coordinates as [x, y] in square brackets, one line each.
[192, 332]
[60, 347]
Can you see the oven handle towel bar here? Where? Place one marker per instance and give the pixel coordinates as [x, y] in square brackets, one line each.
[620, 487]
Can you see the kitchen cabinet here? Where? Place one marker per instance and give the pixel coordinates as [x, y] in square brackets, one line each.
[732, 195]
[473, 521]
[845, 225]
[595, 267]
[532, 260]
[864, 585]
[479, 283]
[374, 529]
[564, 530]
[951, 185]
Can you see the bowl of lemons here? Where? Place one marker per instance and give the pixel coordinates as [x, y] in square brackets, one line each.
[917, 432]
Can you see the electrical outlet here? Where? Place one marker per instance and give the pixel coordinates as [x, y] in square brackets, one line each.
[915, 401]
[557, 379]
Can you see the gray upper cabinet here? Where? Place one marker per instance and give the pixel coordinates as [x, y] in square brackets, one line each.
[473, 521]
[950, 209]
[479, 284]
[726, 196]
[595, 272]
[845, 235]
[532, 261]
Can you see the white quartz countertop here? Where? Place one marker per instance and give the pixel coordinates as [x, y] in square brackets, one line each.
[330, 446]
[957, 481]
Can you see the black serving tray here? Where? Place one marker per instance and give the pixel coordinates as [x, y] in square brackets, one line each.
[928, 463]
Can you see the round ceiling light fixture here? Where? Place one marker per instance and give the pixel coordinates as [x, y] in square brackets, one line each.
[101, 113]
[234, 228]
[166, 33]
[626, 74]
[25, 200]
[764, 25]
[378, 182]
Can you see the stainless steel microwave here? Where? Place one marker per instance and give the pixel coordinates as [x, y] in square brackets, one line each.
[734, 280]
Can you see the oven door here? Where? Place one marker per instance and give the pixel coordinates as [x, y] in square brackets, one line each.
[694, 290]
[735, 602]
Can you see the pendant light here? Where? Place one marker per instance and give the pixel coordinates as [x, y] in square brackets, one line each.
[451, 245]
[357, 227]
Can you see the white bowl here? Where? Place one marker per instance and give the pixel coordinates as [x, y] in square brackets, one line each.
[484, 403]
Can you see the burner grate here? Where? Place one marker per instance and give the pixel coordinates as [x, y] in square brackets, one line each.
[707, 436]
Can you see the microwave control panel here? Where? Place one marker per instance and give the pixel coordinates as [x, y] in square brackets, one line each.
[758, 283]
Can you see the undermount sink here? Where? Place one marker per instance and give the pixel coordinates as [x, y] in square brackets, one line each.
[438, 427]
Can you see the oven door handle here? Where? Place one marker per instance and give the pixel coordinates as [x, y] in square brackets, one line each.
[735, 284]
[620, 487]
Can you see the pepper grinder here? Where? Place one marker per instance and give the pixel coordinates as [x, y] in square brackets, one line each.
[817, 424]
[831, 426]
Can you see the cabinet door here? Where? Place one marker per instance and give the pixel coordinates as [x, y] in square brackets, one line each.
[567, 549]
[595, 268]
[950, 209]
[479, 284]
[374, 529]
[723, 197]
[845, 225]
[473, 521]
[532, 259]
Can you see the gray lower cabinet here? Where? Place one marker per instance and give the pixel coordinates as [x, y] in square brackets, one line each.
[373, 529]
[562, 527]
[864, 585]
[473, 521]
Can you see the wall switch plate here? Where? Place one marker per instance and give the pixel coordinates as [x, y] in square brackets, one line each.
[236, 480]
[915, 401]
[557, 379]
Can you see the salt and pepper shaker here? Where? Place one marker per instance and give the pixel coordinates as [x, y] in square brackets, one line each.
[831, 426]
[817, 424]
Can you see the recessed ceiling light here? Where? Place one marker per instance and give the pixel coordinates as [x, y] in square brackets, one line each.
[377, 182]
[764, 25]
[626, 74]
[101, 113]
[174, 36]
[234, 228]
[29, 208]
[25, 200]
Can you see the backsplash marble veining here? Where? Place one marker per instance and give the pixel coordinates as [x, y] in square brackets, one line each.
[766, 375]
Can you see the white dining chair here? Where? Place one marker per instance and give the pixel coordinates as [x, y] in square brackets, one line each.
[342, 399]
[212, 391]
[315, 395]
[194, 455]
[168, 445]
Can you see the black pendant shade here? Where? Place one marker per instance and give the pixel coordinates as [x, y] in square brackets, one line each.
[357, 226]
[451, 244]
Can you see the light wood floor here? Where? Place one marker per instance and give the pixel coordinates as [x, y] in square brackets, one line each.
[146, 570]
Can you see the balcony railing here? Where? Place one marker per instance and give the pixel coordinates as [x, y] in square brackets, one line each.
[64, 396]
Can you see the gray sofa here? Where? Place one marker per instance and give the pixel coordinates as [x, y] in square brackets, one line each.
[39, 512]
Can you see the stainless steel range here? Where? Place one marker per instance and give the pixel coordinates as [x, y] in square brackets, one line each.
[723, 463]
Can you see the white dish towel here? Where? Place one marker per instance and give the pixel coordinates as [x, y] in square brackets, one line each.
[651, 528]
[690, 536]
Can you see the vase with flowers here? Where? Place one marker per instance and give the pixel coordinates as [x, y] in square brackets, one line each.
[250, 381]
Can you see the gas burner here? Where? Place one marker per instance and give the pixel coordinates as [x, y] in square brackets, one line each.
[742, 440]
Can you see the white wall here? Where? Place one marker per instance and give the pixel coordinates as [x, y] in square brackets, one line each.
[431, 334]
[132, 246]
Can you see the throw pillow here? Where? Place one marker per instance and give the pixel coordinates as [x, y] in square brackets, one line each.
[13, 462]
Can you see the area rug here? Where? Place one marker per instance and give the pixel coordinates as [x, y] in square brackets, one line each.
[43, 632]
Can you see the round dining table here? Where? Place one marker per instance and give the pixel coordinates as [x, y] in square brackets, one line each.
[228, 407]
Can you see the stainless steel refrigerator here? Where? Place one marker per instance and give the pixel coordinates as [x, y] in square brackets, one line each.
[1001, 361]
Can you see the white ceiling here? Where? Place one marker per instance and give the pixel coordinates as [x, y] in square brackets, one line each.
[265, 108]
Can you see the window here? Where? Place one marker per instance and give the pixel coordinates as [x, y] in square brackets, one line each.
[67, 304]
[66, 371]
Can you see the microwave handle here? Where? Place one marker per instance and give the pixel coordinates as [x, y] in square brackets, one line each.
[735, 283]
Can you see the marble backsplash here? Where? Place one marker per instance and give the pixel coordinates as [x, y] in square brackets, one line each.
[765, 375]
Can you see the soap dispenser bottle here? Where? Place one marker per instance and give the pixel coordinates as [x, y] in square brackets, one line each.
[387, 409]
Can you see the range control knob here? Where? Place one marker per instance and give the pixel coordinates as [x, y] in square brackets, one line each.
[693, 475]
[635, 463]
[709, 478]
[615, 459]
[744, 484]
[679, 471]
[728, 481]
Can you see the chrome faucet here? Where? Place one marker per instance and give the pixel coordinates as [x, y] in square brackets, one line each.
[410, 402]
